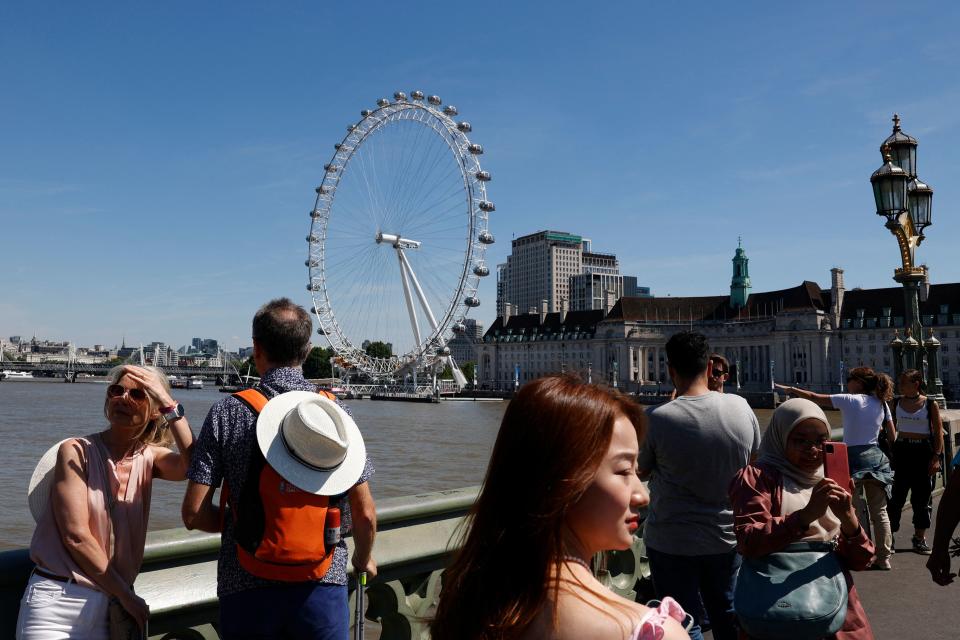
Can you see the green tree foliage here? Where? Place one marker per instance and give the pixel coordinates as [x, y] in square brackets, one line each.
[466, 368]
[317, 364]
[379, 350]
[244, 365]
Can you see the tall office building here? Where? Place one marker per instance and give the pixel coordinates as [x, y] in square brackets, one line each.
[539, 268]
[562, 269]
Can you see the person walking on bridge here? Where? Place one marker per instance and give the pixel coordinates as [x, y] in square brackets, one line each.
[917, 454]
[694, 447]
[282, 444]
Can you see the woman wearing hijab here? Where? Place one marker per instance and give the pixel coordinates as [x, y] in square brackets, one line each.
[865, 412]
[784, 498]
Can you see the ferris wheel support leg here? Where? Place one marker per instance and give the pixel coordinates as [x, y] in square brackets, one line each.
[458, 376]
[423, 298]
[409, 300]
[406, 296]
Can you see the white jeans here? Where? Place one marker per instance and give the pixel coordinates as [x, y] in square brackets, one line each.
[52, 610]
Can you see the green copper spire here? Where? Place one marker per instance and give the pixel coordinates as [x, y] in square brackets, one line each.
[740, 284]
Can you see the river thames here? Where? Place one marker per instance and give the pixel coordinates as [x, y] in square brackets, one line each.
[414, 447]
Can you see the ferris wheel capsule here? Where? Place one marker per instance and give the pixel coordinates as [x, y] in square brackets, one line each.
[459, 327]
[313, 262]
[416, 95]
[383, 102]
[321, 189]
[464, 127]
[486, 238]
[475, 148]
[483, 176]
[351, 127]
[312, 238]
[450, 110]
[315, 213]
[471, 301]
[331, 168]
[481, 270]
[434, 100]
[399, 96]
[365, 113]
[486, 206]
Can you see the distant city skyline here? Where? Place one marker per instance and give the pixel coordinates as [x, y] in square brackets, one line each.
[157, 177]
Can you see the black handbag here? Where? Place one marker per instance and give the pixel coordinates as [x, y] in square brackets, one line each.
[799, 592]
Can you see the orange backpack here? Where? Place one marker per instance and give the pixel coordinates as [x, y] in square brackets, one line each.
[279, 529]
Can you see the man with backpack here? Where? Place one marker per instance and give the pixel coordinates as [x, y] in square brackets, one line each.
[294, 471]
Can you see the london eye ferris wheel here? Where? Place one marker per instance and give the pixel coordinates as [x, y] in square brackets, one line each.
[397, 237]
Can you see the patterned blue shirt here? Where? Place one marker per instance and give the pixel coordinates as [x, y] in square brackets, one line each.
[222, 452]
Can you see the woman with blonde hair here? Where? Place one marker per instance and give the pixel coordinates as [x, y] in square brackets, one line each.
[561, 486]
[864, 412]
[92, 505]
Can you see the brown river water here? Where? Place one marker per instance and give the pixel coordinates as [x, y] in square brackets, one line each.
[414, 447]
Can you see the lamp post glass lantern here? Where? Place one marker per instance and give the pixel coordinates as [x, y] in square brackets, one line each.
[902, 148]
[890, 189]
[920, 204]
[896, 191]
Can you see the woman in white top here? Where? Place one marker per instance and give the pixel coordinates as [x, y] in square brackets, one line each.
[864, 412]
[917, 454]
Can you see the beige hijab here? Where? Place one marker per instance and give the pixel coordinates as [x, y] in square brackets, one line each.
[773, 453]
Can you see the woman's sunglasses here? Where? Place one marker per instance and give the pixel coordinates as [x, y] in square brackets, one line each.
[117, 391]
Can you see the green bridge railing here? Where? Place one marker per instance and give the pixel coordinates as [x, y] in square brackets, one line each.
[415, 537]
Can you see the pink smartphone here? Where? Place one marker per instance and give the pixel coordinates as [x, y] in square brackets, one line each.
[835, 463]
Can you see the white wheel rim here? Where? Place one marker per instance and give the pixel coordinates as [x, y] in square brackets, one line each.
[404, 169]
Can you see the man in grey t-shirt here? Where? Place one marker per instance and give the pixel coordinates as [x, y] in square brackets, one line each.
[695, 445]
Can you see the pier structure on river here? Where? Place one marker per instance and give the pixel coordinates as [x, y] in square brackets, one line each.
[72, 369]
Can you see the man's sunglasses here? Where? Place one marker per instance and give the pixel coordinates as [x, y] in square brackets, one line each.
[719, 372]
[117, 391]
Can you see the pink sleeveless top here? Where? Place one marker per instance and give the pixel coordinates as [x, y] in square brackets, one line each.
[651, 624]
[121, 537]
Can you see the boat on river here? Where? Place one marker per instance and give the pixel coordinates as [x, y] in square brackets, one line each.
[15, 375]
[195, 382]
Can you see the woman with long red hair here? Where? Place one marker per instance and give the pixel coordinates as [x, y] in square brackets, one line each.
[561, 486]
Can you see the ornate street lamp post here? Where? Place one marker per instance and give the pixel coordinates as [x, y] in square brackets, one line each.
[907, 204]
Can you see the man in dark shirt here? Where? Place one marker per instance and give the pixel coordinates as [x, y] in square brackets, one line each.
[251, 606]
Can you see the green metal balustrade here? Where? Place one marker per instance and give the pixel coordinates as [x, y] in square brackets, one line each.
[415, 537]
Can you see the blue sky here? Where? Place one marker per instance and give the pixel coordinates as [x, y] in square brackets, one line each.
[158, 160]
